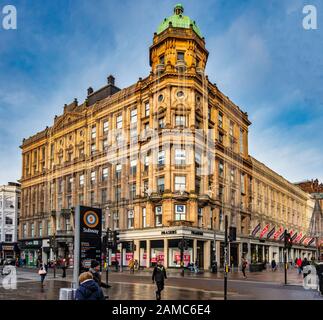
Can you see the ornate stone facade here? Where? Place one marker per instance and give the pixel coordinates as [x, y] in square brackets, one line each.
[165, 158]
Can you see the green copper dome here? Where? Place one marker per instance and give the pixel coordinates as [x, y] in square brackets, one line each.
[179, 21]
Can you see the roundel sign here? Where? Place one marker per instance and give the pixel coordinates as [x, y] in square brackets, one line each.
[91, 219]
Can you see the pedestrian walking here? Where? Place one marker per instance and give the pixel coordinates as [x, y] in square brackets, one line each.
[42, 272]
[244, 264]
[273, 265]
[299, 265]
[159, 276]
[88, 289]
[64, 266]
[136, 265]
[95, 271]
[131, 266]
[303, 265]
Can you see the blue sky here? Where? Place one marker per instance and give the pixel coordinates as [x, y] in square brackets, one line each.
[260, 56]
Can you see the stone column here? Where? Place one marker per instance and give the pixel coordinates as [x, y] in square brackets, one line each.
[194, 249]
[136, 253]
[147, 253]
[207, 255]
[166, 253]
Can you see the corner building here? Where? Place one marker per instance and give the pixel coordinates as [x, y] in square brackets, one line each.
[166, 159]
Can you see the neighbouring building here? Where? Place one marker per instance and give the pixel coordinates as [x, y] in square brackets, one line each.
[9, 215]
[166, 159]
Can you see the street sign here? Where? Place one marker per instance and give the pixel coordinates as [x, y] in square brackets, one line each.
[87, 241]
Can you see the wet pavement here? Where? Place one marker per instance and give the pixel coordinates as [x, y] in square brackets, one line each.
[139, 286]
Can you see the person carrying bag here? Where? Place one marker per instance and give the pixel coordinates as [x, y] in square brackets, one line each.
[42, 272]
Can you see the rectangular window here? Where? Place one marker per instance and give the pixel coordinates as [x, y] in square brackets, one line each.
[118, 171]
[117, 193]
[32, 230]
[162, 59]
[8, 238]
[232, 174]
[221, 192]
[119, 121]
[93, 148]
[69, 202]
[116, 220]
[49, 228]
[81, 198]
[146, 163]
[144, 218]
[220, 120]
[131, 219]
[132, 191]
[158, 216]
[147, 109]
[67, 224]
[231, 128]
[69, 184]
[105, 126]
[133, 167]
[221, 168]
[180, 156]
[161, 184]
[221, 137]
[9, 221]
[24, 231]
[180, 183]
[161, 123]
[104, 195]
[133, 116]
[180, 121]
[40, 229]
[180, 56]
[105, 172]
[93, 177]
[161, 158]
[93, 132]
[81, 180]
[180, 212]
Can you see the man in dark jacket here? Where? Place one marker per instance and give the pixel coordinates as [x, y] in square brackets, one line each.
[89, 289]
[159, 275]
[95, 270]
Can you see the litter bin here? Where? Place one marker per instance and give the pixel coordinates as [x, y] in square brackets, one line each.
[67, 294]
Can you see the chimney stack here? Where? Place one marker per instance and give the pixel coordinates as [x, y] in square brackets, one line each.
[111, 80]
[90, 91]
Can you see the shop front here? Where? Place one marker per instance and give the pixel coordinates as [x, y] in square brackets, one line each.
[9, 251]
[31, 252]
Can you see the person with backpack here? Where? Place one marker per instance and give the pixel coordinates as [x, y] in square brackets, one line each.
[159, 276]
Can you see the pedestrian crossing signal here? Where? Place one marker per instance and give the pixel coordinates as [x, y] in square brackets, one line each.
[288, 240]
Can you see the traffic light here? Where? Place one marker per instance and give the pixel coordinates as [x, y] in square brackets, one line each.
[232, 234]
[288, 240]
[117, 236]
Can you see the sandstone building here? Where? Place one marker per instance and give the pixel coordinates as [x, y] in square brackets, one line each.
[166, 158]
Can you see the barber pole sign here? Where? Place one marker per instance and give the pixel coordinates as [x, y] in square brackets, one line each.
[278, 233]
[264, 231]
[256, 230]
[270, 233]
[298, 238]
[311, 241]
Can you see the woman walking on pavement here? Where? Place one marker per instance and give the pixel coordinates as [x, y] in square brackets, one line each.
[159, 276]
[42, 272]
